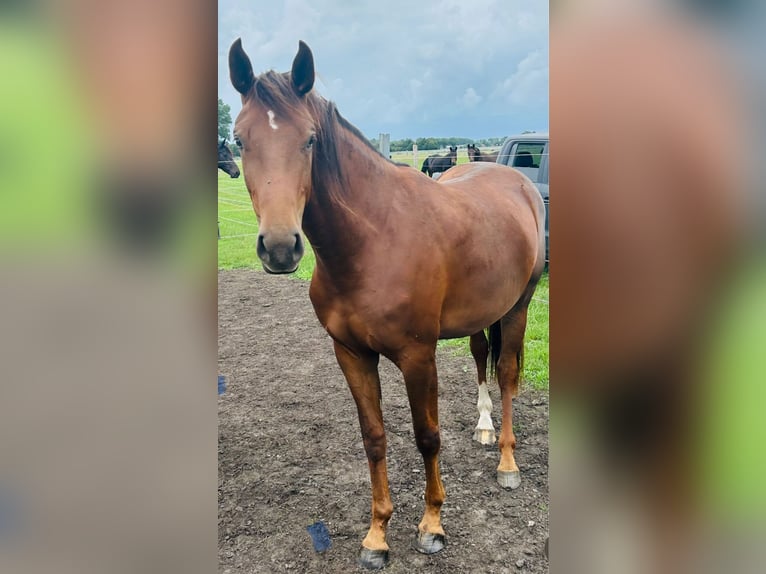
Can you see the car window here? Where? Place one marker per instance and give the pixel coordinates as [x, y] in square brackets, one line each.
[526, 157]
[527, 154]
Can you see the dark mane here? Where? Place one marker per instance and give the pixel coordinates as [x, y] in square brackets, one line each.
[275, 90]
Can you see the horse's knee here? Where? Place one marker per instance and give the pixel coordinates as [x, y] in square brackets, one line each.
[375, 444]
[428, 441]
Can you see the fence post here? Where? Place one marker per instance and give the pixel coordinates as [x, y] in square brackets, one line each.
[384, 144]
[415, 156]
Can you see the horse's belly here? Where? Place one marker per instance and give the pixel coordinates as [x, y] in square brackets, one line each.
[464, 314]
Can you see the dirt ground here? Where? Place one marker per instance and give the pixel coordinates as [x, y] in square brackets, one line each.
[290, 452]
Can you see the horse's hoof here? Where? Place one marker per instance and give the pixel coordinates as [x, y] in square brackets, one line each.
[484, 436]
[509, 478]
[373, 559]
[427, 543]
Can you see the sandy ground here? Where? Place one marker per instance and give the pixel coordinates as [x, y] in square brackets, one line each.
[290, 452]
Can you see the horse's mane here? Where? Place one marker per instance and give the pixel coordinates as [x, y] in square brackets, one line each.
[275, 90]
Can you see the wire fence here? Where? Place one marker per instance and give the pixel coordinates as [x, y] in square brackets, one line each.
[232, 202]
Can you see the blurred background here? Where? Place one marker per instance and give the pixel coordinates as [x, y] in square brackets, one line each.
[658, 313]
[107, 286]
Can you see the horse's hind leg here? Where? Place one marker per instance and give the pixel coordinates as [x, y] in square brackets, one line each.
[513, 326]
[485, 431]
[512, 329]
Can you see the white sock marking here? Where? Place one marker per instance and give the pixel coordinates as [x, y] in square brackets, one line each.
[484, 404]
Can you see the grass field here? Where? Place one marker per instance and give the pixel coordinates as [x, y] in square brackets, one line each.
[236, 250]
[238, 229]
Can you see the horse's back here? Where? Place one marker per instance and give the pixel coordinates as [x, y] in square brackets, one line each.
[495, 218]
[490, 182]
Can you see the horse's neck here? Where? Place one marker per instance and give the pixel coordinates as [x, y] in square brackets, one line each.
[342, 212]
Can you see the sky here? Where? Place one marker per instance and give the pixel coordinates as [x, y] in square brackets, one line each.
[422, 68]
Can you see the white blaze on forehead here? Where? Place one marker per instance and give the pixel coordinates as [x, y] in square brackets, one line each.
[272, 123]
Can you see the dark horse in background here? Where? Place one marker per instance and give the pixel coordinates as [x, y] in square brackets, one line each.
[439, 163]
[469, 250]
[226, 161]
[475, 154]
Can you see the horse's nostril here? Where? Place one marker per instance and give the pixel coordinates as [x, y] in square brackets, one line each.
[298, 246]
[261, 247]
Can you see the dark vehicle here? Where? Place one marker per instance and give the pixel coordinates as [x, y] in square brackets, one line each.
[529, 154]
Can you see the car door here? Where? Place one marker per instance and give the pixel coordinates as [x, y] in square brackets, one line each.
[542, 185]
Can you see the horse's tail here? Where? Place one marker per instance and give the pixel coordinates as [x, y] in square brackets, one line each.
[495, 340]
[424, 169]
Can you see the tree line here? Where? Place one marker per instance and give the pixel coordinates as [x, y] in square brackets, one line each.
[437, 143]
[224, 132]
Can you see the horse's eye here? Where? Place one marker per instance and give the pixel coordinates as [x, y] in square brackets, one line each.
[236, 141]
[312, 139]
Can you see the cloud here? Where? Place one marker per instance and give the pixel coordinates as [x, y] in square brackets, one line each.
[470, 98]
[410, 69]
[528, 85]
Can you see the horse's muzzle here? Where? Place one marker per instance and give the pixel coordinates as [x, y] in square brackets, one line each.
[280, 253]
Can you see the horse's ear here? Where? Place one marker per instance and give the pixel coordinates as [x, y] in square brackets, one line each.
[240, 68]
[303, 69]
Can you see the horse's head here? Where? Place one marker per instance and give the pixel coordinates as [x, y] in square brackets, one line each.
[452, 155]
[226, 160]
[472, 152]
[276, 131]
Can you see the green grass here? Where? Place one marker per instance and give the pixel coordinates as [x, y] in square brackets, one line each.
[535, 372]
[236, 250]
[733, 394]
[239, 229]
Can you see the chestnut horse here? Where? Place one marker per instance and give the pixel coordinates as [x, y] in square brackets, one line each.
[475, 154]
[226, 161]
[401, 261]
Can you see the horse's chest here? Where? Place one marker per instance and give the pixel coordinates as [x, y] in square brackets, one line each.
[333, 311]
[375, 318]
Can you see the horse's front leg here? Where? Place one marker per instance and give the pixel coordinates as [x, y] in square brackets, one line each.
[418, 365]
[361, 371]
